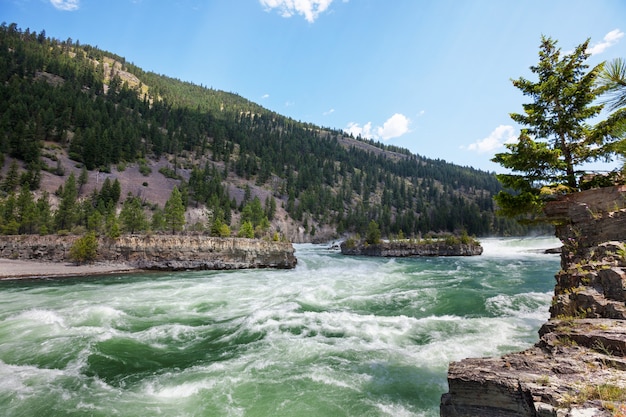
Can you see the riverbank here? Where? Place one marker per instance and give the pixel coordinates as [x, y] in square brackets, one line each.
[578, 367]
[50, 255]
[19, 269]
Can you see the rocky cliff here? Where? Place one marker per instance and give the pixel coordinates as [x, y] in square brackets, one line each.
[405, 249]
[578, 367]
[165, 252]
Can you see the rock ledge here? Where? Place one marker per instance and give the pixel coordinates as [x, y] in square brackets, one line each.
[578, 367]
[159, 252]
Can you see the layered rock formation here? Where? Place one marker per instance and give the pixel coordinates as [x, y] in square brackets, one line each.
[578, 367]
[406, 249]
[164, 252]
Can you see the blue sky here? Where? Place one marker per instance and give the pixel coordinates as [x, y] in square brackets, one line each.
[430, 76]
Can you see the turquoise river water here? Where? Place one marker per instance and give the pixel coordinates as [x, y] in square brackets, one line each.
[337, 336]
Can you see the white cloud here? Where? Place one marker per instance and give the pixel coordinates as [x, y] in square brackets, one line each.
[500, 135]
[397, 125]
[329, 112]
[609, 40]
[356, 130]
[67, 5]
[264, 96]
[310, 9]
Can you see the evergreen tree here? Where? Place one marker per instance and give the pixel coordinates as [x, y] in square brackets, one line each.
[83, 178]
[373, 233]
[557, 138]
[66, 214]
[26, 211]
[12, 178]
[175, 212]
[112, 228]
[132, 216]
[44, 214]
[270, 207]
[246, 230]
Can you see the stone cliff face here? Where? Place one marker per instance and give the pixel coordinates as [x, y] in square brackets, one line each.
[578, 367]
[405, 249]
[165, 252]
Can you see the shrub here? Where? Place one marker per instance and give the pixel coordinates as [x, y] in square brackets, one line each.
[350, 243]
[85, 249]
[224, 230]
[246, 230]
[373, 233]
[145, 170]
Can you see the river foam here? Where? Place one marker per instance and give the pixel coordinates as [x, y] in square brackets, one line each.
[341, 336]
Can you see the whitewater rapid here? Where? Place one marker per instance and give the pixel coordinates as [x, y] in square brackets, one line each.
[340, 336]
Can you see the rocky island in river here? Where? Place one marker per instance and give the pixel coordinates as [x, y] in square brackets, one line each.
[408, 248]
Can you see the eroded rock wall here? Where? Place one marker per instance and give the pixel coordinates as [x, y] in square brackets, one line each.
[407, 249]
[578, 367]
[166, 252]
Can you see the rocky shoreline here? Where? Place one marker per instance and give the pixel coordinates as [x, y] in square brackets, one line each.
[153, 252]
[408, 249]
[578, 367]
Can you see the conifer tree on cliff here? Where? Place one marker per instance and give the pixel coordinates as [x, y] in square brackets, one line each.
[557, 137]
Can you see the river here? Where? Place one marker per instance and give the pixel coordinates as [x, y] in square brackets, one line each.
[336, 336]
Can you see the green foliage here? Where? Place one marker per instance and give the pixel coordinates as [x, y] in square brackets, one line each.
[66, 214]
[157, 223]
[85, 249]
[350, 242]
[318, 174]
[223, 230]
[11, 179]
[557, 138]
[613, 80]
[169, 173]
[112, 226]
[373, 233]
[246, 230]
[144, 169]
[175, 212]
[132, 216]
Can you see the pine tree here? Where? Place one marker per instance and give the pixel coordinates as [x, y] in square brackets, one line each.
[65, 216]
[175, 212]
[44, 214]
[557, 138]
[26, 210]
[12, 178]
[132, 216]
[246, 230]
[83, 178]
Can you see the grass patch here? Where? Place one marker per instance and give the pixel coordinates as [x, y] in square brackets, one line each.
[608, 394]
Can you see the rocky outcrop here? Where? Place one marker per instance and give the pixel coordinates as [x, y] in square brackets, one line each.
[163, 252]
[578, 367]
[407, 249]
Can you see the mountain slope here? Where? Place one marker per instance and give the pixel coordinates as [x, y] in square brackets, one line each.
[66, 106]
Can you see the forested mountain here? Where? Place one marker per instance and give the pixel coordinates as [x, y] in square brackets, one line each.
[243, 163]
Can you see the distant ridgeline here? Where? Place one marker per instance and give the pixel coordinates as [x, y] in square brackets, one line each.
[62, 98]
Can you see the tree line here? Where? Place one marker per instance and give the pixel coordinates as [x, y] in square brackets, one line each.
[76, 96]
